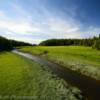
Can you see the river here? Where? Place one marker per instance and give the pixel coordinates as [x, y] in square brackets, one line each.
[89, 87]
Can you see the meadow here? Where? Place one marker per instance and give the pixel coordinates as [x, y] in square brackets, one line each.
[23, 79]
[84, 60]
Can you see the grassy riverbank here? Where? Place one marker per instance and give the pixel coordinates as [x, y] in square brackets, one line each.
[22, 79]
[82, 59]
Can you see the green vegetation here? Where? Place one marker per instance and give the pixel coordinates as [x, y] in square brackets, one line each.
[67, 42]
[6, 44]
[92, 42]
[23, 79]
[81, 59]
[96, 43]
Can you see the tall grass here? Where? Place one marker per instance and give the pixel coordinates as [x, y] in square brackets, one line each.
[23, 79]
[82, 59]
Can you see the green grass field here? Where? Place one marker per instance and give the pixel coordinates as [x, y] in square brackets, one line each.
[81, 59]
[23, 79]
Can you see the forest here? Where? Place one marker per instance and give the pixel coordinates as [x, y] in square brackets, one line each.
[93, 42]
[6, 44]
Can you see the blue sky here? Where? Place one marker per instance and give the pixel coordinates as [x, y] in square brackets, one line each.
[37, 20]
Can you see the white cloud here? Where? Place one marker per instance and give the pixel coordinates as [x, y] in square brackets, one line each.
[25, 39]
[52, 28]
[59, 25]
[19, 27]
[49, 26]
[60, 28]
[22, 25]
[15, 29]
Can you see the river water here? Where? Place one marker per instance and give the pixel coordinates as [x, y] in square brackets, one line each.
[89, 87]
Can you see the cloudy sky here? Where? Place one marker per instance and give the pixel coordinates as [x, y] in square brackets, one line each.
[36, 20]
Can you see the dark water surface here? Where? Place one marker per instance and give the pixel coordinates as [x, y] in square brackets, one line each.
[89, 86]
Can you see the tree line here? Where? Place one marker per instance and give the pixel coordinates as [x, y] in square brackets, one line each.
[93, 42]
[6, 44]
